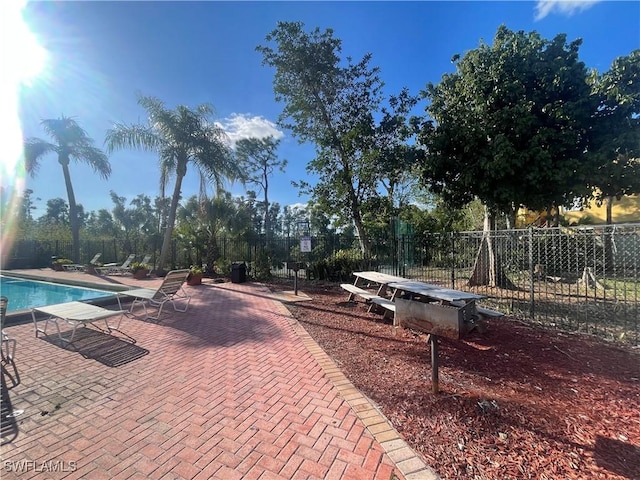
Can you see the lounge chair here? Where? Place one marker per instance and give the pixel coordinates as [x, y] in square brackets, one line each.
[78, 267]
[146, 259]
[170, 291]
[75, 314]
[112, 268]
[8, 348]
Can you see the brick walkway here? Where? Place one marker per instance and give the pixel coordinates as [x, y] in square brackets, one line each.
[233, 388]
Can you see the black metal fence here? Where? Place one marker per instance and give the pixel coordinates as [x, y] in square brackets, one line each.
[583, 279]
[580, 279]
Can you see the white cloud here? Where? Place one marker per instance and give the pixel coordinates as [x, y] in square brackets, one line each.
[298, 206]
[239, 126]
[563, 7]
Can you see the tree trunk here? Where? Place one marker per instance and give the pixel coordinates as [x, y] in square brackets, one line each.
[554, 213]
[211, 254]
[608, 237]
[608, 202]
[73, 212]
[166, 243]
[511, 218]
[487, 269]
[267, 226]
[365, 246]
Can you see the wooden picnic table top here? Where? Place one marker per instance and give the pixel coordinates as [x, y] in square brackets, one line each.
[378, 277]
[434, 291]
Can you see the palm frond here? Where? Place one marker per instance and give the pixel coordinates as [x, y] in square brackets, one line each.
[167, 167]
[65, 131]
[94, 157]
[132, 136]
[214, 158]
[34, 150]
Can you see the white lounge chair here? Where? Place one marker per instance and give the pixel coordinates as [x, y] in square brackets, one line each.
[75, 314]
[112, 268]
[8, 348]
[78, 267]
[170, 291]
[146, 259]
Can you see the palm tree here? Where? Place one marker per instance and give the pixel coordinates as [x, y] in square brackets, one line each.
[70, 143]
[178, 136]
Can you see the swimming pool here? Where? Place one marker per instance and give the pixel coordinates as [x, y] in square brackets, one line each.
[26, 294]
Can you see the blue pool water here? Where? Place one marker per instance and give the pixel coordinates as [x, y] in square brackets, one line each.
[26, 294]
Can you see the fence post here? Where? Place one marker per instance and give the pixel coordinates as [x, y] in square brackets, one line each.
[531, 276]
[453, 260]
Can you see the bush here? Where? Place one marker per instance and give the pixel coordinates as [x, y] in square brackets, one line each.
[339, 266]
[262, 266]
[63, 261]
[136, 266]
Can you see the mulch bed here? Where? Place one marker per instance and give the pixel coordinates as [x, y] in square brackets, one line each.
[515, 402]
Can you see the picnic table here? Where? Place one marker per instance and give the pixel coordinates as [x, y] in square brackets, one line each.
[432, 291]
[435, 310]
[367, 278]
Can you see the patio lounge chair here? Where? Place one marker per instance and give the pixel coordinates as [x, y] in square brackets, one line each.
[170, 291]
[146, 259]
[8, 347]
[75, 314]
[78, 267]
[112, 268]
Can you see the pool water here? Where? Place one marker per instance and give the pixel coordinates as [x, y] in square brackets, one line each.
[26, 294]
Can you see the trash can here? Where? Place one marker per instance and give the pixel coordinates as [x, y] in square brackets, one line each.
[238, 272]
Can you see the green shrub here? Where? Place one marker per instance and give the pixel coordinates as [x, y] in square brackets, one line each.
[339, 266]
[262, 266]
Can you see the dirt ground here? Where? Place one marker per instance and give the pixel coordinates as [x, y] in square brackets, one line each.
[515, 402]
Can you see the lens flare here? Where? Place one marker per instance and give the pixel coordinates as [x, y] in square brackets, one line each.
[22, 58]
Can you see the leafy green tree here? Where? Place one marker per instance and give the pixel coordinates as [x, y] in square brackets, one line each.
[70, 142]
[292, 218]
[257, 157]
[180, 137]
[510, 128]
[616, 131]
[331, 103]
[101, 224]
[57, 212]
[395, 154]
[193, 231]
[27, 206]
[134, 225]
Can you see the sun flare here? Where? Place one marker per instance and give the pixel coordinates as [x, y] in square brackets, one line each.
[21, 59]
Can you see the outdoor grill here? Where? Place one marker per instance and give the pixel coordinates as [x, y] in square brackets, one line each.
[438, 320]
[448, 321]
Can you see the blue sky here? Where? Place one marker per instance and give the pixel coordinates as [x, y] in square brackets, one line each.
[101, 54]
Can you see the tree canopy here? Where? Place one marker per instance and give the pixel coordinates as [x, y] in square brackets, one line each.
[615, 148]
[258, 158]
[510, 126]
[330, 102]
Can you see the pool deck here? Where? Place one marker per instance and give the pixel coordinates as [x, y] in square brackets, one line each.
[234, 388]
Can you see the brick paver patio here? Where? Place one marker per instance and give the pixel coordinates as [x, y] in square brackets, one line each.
[233, 388]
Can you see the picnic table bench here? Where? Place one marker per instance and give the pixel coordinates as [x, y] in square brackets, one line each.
[435, 310]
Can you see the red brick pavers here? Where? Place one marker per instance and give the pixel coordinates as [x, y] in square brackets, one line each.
[228, 390]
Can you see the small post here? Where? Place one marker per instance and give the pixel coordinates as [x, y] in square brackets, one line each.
[433, 340]
[295, 282]
[532, 304]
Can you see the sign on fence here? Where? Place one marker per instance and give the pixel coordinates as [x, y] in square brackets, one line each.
[305, 244]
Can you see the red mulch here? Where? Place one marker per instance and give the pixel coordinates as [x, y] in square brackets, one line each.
[515, 402]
